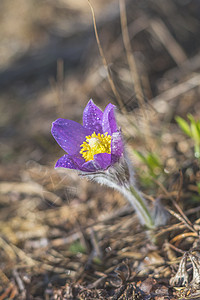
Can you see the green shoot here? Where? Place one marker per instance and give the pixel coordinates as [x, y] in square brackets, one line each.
[77, 247]
[198, 187]
[192, 130]
[152, 161]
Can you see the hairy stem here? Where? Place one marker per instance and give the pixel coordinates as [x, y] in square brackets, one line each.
[141, 207]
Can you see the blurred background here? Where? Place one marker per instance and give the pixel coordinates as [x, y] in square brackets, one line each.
[50, 64]
[50, 67]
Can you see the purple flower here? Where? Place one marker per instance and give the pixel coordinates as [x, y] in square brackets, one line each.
[93, 147]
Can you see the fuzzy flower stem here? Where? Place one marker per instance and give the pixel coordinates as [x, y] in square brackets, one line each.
[138, 202]
[116, 178]
[134, 198]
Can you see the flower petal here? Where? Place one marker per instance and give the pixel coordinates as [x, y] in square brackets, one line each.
[92, 117]
[117, 146]
[66, 161]
[70, 162]
[109, 123]
[90, 166]
[103, 159]
[101, 162]
[69, 135]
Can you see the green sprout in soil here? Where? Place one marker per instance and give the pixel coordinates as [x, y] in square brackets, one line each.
[152, 161]
[192, 130]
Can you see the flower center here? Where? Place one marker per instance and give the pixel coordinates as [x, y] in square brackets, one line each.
[95, 144]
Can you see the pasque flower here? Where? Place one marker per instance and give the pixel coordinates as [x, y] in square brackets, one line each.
[97, 151]
[94, 146]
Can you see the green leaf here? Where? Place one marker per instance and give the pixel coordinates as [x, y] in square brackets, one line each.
[183, 125]
[97, 260]
[198, 185]
[153, 160]
[191, 118]
[195, 133]
[140, 156]
[198, 126]
[77, 247]
[194, 129]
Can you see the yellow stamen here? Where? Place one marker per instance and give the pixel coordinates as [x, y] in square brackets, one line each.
[95, 144]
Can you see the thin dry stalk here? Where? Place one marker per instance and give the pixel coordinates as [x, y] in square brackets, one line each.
[132, 64]
[176, 91]
[20, 284]
[182, 217]
[7, 249]
[115, 92]
[182, 236]
[165, 37]
[180, 187]
[10, 292]
[174, 248]
[3, 278]
[190, 225]
[58, 87]
[60, 84]
[170, 228]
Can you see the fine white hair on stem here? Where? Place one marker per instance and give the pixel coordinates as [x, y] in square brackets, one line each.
[120, 177]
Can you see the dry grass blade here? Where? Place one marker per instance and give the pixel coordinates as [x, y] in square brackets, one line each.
[185, 218]
[132, 65]
[10, 292]
[118, 98]
[176, 91]
[174, 248]
[182, 236]
[182, 217]
[162, 231]
[20, 284]
[30, 188]
[180, 187]
[174, 49]
[3, 278]
[58, 88]
[8, 249]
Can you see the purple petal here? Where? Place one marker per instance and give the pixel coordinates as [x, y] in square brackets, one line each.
[101, 162]
[70, 162]
[90, 166]
[92, 117]
[117, 146]
[69, 135]
[109, 123]
[66, 161]
[103, 159]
